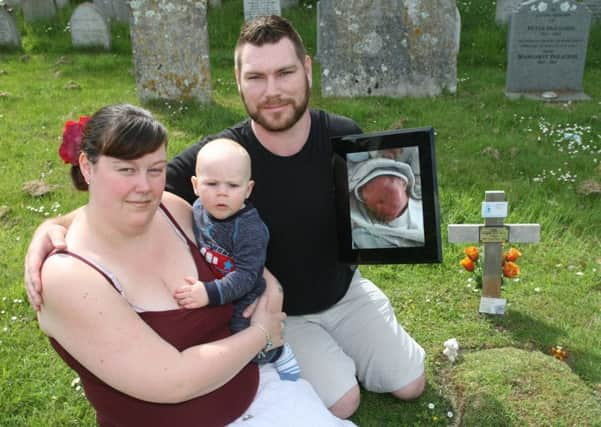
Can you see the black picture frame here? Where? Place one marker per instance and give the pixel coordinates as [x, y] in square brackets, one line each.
[360, 236]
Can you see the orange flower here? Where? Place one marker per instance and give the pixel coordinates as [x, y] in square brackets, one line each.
[510, 269]
[512, 255]
[472, 253]
[468, 264]
[559, 352]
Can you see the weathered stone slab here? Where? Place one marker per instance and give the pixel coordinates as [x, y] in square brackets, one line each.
[392, 48]
[9, 33]
[121, 10]
[547, 50]
[254, 8]
[89, 27]
[35, 10]
[171, 49]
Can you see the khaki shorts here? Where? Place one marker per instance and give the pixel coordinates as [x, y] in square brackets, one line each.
[358, 338]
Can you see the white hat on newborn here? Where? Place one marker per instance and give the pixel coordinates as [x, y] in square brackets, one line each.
[365, 171]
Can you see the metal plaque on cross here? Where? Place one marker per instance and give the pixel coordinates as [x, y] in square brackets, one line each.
[492, 234]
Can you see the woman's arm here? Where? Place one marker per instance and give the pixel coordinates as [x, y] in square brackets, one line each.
[99, 329]
[48, 236]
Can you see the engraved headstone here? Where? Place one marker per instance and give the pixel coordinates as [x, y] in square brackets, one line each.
[388, 47]
[9, 33]
[547, 45]
[595, 7]
[504, 8]
[89, 27]
[254, 8]
[35, 10]
[171, 49]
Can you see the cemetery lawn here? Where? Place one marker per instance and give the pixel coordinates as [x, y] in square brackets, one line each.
[545, 156]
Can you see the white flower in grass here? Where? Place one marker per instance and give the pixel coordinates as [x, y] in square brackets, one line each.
[537, 290]
[579, 273]
[450, 414]
[431, 406]
[75, 381]
[451, 347]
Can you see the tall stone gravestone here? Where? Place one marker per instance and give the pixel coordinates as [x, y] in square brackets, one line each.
[35, 10]
[254, 8]
[388, 47]
[89, 27]
[9, 34]
[595, 8]
[171, 49]
[547, 50]
[504, 8]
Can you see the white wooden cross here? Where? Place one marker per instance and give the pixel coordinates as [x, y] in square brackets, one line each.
[492, 234]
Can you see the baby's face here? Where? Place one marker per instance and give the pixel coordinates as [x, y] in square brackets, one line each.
[385, 197]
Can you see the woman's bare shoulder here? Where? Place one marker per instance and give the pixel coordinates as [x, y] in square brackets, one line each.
[179, 208]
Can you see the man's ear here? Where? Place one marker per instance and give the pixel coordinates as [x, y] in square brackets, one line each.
[309, 69]
[249, 188]
[194, 183]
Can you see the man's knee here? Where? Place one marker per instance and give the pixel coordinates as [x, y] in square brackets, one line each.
[413, 390]
[347, 404]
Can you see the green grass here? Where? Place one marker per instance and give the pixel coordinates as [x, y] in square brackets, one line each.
[483, 142]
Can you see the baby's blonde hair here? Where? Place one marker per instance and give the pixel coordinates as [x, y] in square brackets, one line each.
[223, 147]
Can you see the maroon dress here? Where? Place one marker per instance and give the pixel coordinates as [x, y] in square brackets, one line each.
[182, 328]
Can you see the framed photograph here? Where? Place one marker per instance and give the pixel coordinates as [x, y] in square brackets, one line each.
[387, 197]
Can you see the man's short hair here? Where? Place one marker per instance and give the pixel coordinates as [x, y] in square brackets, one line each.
[269, 29]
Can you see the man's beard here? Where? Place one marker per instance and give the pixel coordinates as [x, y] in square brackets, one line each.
[297, 113]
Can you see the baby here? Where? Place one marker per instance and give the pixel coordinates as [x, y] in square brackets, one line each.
[233, 240]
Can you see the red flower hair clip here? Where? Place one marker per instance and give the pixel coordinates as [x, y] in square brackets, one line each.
[72, 134]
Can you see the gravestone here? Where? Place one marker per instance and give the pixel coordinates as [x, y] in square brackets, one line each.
[595, 7]
[504, 8]
[254, 8]
[214, 3]
[121, 10]
[114, 9]
[9, 33]
[547, 45]
[89, 27]
[171, 50]
[388, 47]
[492, 234]
[35, 10]
[106, 7]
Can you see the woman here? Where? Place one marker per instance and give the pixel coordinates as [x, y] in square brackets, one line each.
[108, 302]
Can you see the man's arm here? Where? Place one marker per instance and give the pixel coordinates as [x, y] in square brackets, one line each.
[48, 236]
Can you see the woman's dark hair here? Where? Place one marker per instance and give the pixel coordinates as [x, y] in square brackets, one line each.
[122, 131]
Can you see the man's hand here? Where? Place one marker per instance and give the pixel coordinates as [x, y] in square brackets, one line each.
[48, 236]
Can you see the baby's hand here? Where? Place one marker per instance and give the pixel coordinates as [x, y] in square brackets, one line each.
[192, 295]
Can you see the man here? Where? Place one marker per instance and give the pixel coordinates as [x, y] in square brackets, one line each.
[340, 325]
